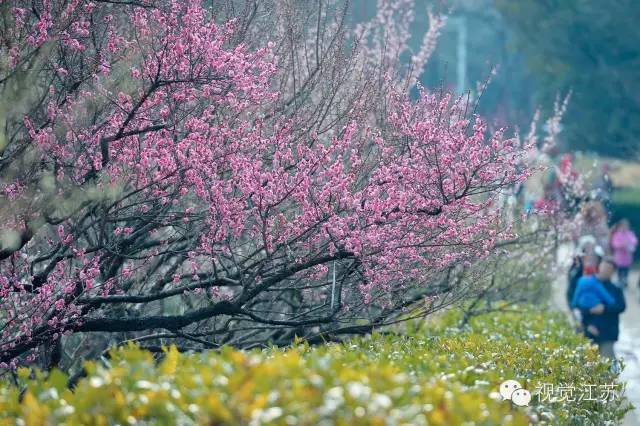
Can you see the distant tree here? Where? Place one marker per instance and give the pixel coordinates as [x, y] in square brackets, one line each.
[592, 48]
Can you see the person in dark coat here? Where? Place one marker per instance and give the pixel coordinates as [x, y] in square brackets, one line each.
[601, 323]
[575, 273]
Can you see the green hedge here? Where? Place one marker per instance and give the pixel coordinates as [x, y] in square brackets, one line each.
[433, 374]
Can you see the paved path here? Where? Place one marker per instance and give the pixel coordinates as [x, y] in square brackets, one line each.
[628, 346]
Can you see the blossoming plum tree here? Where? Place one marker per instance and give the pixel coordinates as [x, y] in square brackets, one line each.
[167, 171]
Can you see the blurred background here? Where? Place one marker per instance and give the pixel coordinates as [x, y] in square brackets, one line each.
[535, 51]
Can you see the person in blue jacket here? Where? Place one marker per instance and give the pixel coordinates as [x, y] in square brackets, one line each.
[600, 302]
[590, 292]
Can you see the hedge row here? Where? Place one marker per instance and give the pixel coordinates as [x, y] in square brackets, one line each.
[433, 374]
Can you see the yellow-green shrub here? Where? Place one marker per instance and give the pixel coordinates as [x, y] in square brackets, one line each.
[436, 375]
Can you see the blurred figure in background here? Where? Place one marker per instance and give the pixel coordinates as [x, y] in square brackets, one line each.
[574, 274]
[603, 189]
[593, 221]
[589, 254]
[623, 244]
[584, 264]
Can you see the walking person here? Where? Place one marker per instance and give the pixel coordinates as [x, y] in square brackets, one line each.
[590, 254]
[574, 274]
[623, 244]
[594, 222]
[600, 303]
[603, 189]
[585, 262]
